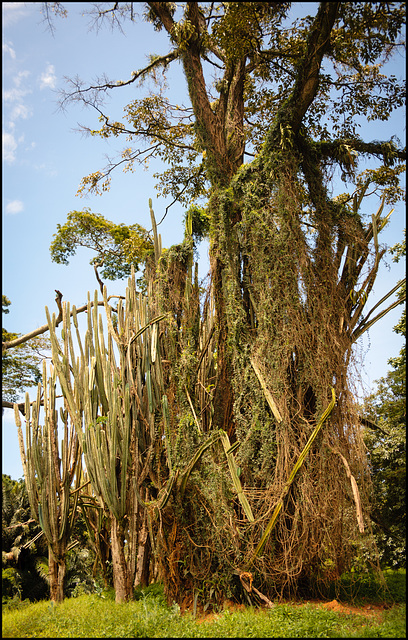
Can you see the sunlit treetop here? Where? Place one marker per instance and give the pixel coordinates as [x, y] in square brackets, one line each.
[117, 246]
[247, 64]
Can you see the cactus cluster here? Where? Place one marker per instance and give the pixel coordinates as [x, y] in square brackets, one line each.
[49, 475]
[124, 439]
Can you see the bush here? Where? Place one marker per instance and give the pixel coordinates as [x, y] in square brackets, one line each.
[368, 587]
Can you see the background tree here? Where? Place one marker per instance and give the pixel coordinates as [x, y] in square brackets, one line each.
[117, 246]
[386, 407]
[291, 268]
[24, 548]
[21, 365]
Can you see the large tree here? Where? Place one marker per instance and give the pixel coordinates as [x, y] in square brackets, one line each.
[291, 271]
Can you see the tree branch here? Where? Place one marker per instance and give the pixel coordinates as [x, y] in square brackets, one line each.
[307, 82]
[21, 339]
[372, 425]
[96, 265]
[79, 93]
[364, 325]
[21, 405]
[382, 149]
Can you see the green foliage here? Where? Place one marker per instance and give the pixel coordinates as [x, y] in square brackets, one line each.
[386, 407]
[21, 577]
[78, 578]
[199, 220]
[353, 80]
[117, 246]
[20, 366]
[368, 587]
[239, 30]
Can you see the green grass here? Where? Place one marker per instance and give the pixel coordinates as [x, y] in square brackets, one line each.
[148, 616]
[94, 617]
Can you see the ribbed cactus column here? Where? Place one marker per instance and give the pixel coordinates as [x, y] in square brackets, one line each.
[49, 475]
[113, 391]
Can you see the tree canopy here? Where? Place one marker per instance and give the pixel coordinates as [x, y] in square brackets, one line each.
[117, 246]
[247, 65]
[21, 364]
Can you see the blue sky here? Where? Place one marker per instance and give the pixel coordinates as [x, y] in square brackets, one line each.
[44, 159]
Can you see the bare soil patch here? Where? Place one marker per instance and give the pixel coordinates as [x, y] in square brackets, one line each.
[367, 610]
[372, 611]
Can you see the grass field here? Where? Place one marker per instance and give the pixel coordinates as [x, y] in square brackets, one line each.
[100, 617]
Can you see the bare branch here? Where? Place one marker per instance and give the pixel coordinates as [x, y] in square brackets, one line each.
[364, 325]
[57, 8]
[21, 405]
[21, 339]
[104, 85]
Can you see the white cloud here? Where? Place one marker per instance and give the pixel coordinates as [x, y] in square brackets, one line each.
[15, 11]
[19, 90]
[15, 206]
[15, 108]
[20, 111]
[8, 49]
[9, 147]
[48, 79]
[12, 95]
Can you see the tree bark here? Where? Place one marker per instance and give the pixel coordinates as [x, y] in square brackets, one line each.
[56, 573]
[307, 80]
[143, 554]
[121, 582]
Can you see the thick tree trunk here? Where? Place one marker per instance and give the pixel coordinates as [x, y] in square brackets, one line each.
[56, 573]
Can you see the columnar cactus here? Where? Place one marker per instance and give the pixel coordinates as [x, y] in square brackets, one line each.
[128, 412]
[49, 475]
[113, 392]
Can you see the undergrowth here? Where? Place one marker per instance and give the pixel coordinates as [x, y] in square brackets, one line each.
[367, 588]
[149, 616]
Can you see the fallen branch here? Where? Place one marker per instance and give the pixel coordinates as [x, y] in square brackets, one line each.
[246, 575]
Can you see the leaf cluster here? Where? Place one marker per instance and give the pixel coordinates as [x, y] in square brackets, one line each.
[20, 365]
[386, 407]
[117, 246]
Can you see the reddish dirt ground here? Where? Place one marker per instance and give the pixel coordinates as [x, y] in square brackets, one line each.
[367, 610]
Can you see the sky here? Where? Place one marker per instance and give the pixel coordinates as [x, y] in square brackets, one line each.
[45, 157]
